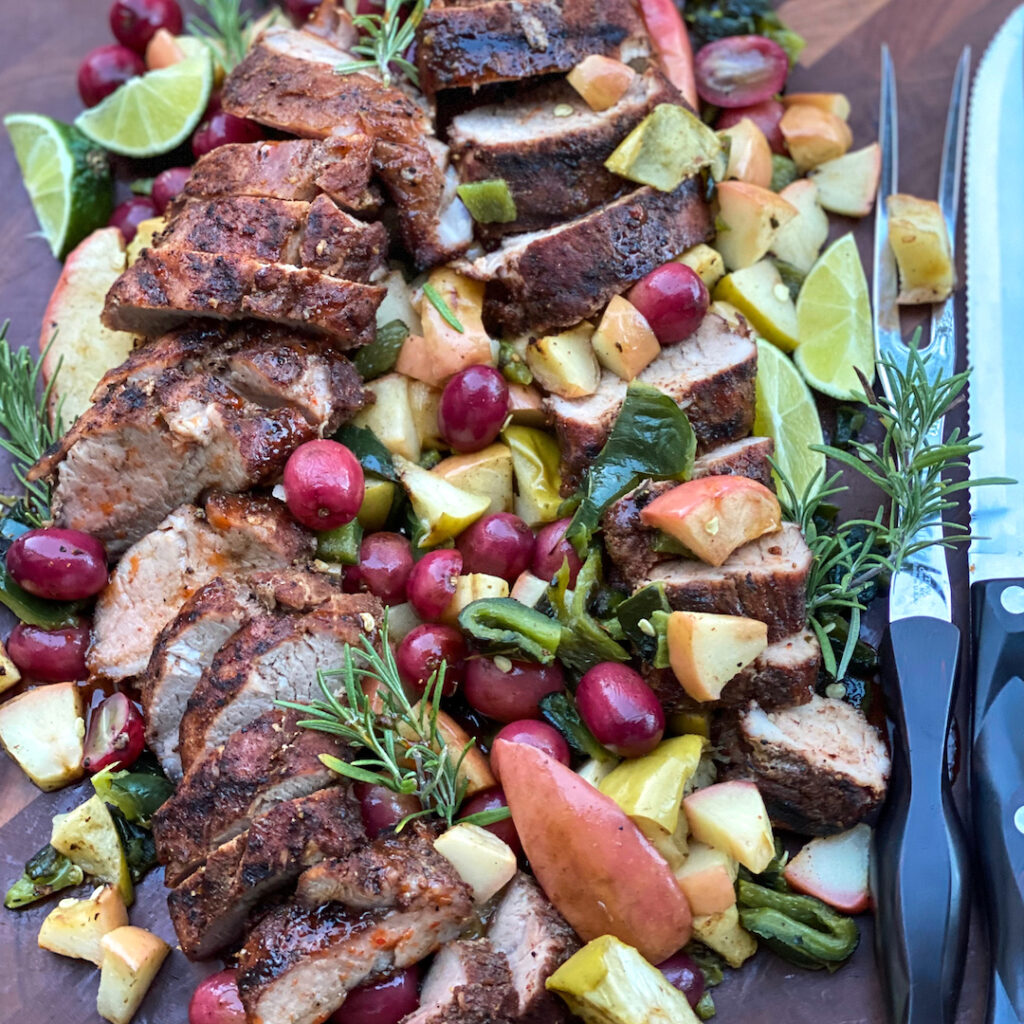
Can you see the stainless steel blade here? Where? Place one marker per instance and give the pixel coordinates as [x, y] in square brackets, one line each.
[995, 301]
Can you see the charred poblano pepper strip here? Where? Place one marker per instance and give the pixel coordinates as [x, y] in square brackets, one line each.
[501, 625]
[784, 172]
[489, 202]
[341, 544]
[634, 616]
[137, 795]
[34, 610]
[512, 365]
[137, 843]
[46, 872]
[367, 448]
[380, 356]
[560, 710]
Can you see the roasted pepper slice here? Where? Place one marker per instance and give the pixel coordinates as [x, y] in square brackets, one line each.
[501, 625]
[46, 872]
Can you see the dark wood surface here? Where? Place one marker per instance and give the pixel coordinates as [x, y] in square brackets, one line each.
[40, 47]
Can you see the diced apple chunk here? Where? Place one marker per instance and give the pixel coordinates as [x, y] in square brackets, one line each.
[759, 294]
[831, 102]
[707, 650]
[750, 156]
[526, 405]
[565, 364]
[624, 342]
[750, 218]
[474, 586]
[706, 263]
[601, 81]
[487, 473]
[131, 959]
[88, 837]
[724, 934]
[707, 876]
[75, 927]
[390, 416]
[848, 184]
[731, 817]
[529, 589]
[814, 136]
[444, 509]
[43, 731]
[920, 241]
[9, 674]
[485, 863]
[835, 869]
[800, 241]
[424, 403]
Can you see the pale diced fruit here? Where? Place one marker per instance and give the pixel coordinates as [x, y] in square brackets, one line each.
[402, 620]
[444, 509]
[707, 650]
[424, 402]
[758, 292]
[727, 311]
[835, 870]
[144, 235]
[706, 263]
[723, 933]
[526, 405]
[474, 586]
[750, 155]
[378, 498]
[484, 862]
[390, 416]
[398, 303]
[624, 342]
[43, 732]
[924, 257]
[88, 837]
[487, 473]
[565, 364]
[731, 817]
[596, 769]
[9, 674]
[750, 218]
[74, 927]
[800, 241]
[814, 136]
[601, 81]
[831, 102]
[529, 589]
[848, 184]
[131, 959]
[708, 877]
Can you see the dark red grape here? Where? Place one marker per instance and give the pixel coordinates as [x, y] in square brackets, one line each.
[117, 735]
[382, 808]
[60, 565]
[739, 71]
[536, 734]
[431, 584]
[420, 654]
[474, 406]
[682, 971]
[385, 1001]
[673, 300]
[134, 22]
[552, 549]
[499, 545]
[104, 69]
[510, 690]
[385, 561]
[491, 800]
[301, 11]
[219, 129]
[766, 115]
[620, 709]
[216, 1000]
[167, 186]
[49, 655]
[130, 214]
[323, 484]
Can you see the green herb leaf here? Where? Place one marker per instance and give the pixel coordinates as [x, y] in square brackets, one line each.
[226, 34]
[385, 38]
[438, 302]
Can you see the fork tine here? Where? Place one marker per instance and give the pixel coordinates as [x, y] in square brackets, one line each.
[888, 343]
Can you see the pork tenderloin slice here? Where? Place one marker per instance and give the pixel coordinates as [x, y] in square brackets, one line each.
[749, 457]
[764, 580]
[556, 278]
[210, 907]
[507, 40]
[165, 287]
[231, 534]
[336, 243]
[537, 941]
[821, 767]
[710, 376]
[270, 658]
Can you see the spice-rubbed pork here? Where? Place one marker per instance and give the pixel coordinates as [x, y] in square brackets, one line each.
[821, 767]
[272, 657]
[300, 961]
[710, 376]
[553, 163]
[504, 40]
[202, 407]
[558, 277]
[537, 941]
[749, 457]
[230, 535]
[210, 907]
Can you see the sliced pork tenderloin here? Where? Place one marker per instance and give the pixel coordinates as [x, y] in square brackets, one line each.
[710, 376]
[749, 457]
[210, 907]
[821, 767]
[229, 535]
[272, 657]
[555, 278]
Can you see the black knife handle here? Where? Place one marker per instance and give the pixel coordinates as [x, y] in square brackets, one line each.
[920, 868]
[998, 643]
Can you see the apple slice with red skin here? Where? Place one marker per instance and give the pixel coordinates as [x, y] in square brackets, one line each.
[668, 32]
[835, 869]
[594, 864]
[715, 515]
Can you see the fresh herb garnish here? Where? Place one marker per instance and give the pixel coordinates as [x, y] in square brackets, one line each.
[227, 32]
[386, 37]
[447, 314]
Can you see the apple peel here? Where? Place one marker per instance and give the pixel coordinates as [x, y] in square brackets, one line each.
[835, 870]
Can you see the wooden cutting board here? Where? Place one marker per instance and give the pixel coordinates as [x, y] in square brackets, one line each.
[40, 48]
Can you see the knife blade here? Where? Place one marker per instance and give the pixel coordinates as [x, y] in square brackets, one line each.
[995, 311]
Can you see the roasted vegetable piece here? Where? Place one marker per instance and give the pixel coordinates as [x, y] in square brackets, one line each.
[380, 356]
[367, 448]
[46, 872]
[599, 870]
[489, 202]
[89, 836]
[635, 619]
[341, 544]
[560, 710]
[74, 927]
[724, 933]
[501, 625]
[137, 795]
[34, 610]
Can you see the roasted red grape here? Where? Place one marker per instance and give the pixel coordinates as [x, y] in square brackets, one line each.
[60, 565]
[682, 971]
[130, 214]
[385, 561]
[134, 22]
[216, 1001]
[766, 115]
[49, 655]
[739, 71]
[219, 129]
[491, 800]
[301, 10]
[167, 186]
[673, 300]
[499, 545]
[431, 584]
[510, 690]
[552, 549]
[382, 808]
[385, 1001]
[474, 406]
[620, 709]
[104, 69]
[536, 734]
[323, 484]
[420, 655]
[117, 735]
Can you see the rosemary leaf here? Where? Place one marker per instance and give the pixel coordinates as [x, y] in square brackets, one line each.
[438, 302]
[226, 34]
[385, 39]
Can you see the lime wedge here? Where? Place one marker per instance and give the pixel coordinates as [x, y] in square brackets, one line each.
[66, 176]
[833, 317]
[154, 113]
[785, 412]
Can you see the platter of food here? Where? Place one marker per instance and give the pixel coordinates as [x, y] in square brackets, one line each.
[424, 597]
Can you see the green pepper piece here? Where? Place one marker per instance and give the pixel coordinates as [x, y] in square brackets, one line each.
[34, 610]
[705, 1008]
[340, 544]
[560, 710]
[512, 366]
[137, 842]
[46, 872]
[380, 356]
[784, 172]
[501, 625]
[364, 444]
[137, 795]
[639, 608]
[489, 201]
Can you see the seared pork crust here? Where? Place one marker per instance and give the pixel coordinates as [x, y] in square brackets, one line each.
[749, 457]
[506, 40]
[210, 907]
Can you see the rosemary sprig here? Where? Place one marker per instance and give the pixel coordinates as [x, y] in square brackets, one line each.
[436, 299]
[226, 34]
[385, 38]
[405, 750]
[24, 419]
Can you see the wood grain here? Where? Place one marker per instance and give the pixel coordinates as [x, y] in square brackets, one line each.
[41, 45]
